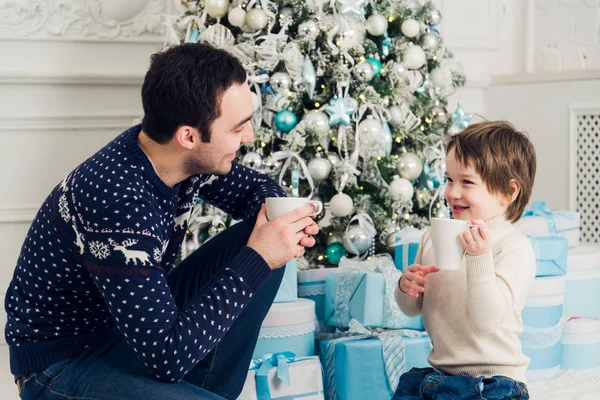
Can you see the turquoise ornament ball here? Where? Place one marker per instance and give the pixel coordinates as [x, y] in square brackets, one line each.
[285, 120]
[376, 65]
[335, 252]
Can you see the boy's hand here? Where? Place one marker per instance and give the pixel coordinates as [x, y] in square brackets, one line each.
[413, 279]
[476, 239]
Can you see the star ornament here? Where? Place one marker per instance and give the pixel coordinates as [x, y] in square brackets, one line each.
[460, 118]
[339, 112]
[352, 7]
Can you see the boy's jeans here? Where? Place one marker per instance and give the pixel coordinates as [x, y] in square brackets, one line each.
[427, 383]
[112, 371]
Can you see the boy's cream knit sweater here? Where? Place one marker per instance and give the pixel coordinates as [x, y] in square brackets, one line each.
[473, 315]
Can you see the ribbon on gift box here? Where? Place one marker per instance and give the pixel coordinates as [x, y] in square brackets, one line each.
[404, 237]
[541, 338]
[263, 365]
[392, 346]
[539, 209]
[355, 270]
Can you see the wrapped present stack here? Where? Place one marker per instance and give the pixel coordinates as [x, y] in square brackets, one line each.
[284, 363]
[375, 343]
[561, 317]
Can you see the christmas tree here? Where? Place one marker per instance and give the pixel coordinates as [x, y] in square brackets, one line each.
[350, 105]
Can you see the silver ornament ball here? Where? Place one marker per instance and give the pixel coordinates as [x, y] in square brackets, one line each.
[252, 160]
[435, 17]
[317, 121]
[334, 159]
[308, 30]
[359, 238]
[364, 71]
[396, 116]
[280, 81]
[439, 114]
[409, 166]
[429, 41]
[370, 131]
[335, 237]
[272, 167]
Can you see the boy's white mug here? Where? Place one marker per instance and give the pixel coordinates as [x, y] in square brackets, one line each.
[277, 206]
[447, 250]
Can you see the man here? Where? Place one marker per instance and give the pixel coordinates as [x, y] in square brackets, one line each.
[96, 309]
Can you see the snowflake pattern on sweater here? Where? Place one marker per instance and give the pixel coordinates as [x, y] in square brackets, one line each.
[97, 254]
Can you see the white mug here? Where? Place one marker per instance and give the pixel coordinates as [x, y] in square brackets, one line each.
[447, 250]
[277, 206]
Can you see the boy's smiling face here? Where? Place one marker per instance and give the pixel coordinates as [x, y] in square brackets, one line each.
[468, 196]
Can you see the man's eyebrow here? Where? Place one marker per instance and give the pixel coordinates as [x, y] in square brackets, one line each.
[242, 122]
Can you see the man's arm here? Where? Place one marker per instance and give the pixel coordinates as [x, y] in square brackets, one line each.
[240, 193]
[125, 267]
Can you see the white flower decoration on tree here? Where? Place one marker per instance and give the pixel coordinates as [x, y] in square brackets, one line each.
[99, 250]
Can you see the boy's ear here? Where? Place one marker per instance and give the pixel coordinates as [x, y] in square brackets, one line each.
[515, 190]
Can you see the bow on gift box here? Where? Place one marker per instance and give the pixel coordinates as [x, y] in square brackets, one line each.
[392, 346]
[538, 209]
[382, 263]
[269, 361]
[405, 237]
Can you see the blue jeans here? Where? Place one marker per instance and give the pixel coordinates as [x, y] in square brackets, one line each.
[112, 370]
[427, 383]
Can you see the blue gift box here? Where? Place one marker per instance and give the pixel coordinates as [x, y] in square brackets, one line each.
[360, 370]
[366, 302]
[550, 255]
[311, 285]
[405, 255]
[288, 290]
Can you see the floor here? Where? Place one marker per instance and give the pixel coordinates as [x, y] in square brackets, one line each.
[570, 385]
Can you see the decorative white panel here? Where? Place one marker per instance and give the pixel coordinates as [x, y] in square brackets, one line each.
[585, 174]
[137, 20]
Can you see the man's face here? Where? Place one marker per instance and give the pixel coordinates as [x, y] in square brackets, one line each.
[228, 133]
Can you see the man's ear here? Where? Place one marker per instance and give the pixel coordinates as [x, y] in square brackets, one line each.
[187, 136]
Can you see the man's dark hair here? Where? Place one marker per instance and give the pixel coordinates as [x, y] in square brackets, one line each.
[184, 86]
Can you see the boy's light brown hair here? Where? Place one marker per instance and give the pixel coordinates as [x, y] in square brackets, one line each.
[498, 153]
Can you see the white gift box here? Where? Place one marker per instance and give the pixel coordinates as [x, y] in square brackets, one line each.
[306, 382]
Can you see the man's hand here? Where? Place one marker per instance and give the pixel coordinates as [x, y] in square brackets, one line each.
[476, 240]
[412, 281]
[285, 237]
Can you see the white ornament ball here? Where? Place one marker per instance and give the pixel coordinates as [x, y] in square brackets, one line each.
[319, 168]
[370, 132]
[377, 25]
[396, 116]
[280, 81]
[410, 166]
[402, 188]
[440, 77]
[308, 30]
[237, 17]
[429, 41]
[410, 28]
[256, 19]
[317, 121]
[414, 57]
[341, 205]
[334, 159]
[216, 8]
[359, 238]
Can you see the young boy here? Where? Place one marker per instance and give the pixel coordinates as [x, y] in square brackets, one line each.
[473, 315]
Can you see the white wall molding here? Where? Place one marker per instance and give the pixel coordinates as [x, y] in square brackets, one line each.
[105, 20]
[54, 123]
[550, 76]
[15, 214]
[36, 78]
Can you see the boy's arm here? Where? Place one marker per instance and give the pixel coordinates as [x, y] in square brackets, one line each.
[497, 283]
[409, 305]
